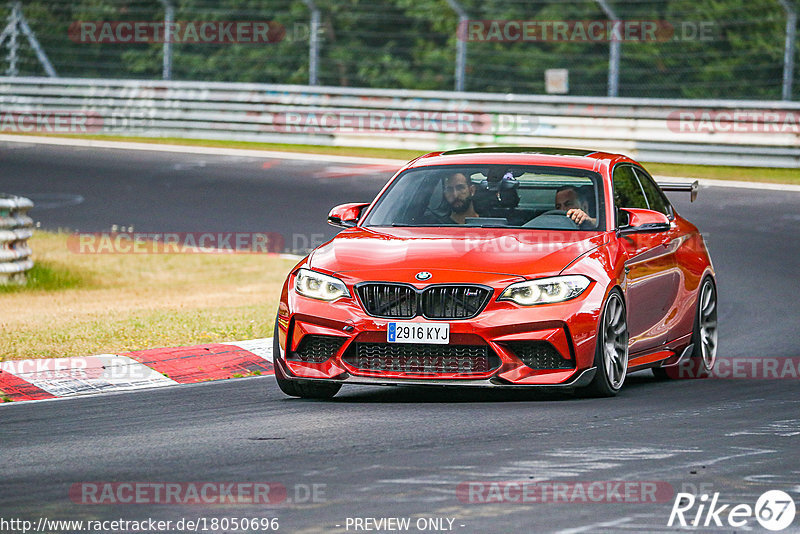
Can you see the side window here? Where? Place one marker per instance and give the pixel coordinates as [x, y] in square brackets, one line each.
[627, 191]
[655, 198]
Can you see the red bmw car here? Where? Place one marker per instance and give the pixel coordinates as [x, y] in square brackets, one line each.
[501, 267]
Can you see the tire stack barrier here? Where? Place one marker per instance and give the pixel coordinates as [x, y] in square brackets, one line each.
[15, 230]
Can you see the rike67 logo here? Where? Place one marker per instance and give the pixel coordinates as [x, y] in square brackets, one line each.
[774, 510]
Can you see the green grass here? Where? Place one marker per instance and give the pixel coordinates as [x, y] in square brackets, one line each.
[391, 153]
[76, 304]
[746, 174]
[49, 276]
[124, 331]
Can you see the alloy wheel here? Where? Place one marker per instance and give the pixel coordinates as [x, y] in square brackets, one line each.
[615, 341]
[707, 320]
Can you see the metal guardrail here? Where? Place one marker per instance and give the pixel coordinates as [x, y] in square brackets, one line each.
[746, 133]
[15, 230]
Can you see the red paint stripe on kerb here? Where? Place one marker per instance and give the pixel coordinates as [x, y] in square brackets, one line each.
[202, 362]
[18, 389]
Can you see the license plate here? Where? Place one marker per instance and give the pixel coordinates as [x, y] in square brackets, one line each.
[438, 333]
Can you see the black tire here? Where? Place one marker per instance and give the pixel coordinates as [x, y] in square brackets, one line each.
[703, 353]
[305, 389]
[607, 380]
[704, 335]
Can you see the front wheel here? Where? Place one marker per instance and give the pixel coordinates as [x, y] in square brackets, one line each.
[305, 389]
[611, 355]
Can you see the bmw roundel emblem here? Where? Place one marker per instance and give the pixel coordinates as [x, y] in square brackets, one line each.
[422, 276]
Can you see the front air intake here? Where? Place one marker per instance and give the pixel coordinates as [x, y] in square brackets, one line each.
[414, 358]
[316, 348]
[539, 355]
[441, 301]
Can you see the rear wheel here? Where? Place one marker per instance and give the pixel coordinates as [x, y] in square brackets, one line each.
[305, 389]
[704, 334]
[611, 355]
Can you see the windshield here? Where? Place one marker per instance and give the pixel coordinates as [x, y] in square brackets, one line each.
[518, 196]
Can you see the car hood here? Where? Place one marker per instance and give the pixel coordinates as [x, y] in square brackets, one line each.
[451, 254]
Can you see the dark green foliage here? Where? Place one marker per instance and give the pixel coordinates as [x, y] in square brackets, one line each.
[412, 44]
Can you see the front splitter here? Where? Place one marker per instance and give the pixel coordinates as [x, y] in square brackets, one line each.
[583, 379]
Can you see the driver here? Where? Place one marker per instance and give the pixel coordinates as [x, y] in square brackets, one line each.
[568, 199]
[458, 192]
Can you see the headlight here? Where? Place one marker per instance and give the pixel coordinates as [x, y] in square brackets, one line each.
[319, 286]
[545, 290]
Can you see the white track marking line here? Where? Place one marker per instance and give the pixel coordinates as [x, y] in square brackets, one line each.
[121, 392]
[103, 373]
[334, 171]
[90, 374]
[595, 526]
[259, 347]
[299, 156]
[188, 149]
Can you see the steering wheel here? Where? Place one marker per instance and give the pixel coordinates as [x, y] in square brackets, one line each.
[554, 213]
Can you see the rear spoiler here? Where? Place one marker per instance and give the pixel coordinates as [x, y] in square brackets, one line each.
[691, 188]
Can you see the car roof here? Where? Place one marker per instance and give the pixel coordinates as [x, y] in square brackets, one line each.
[546, 156]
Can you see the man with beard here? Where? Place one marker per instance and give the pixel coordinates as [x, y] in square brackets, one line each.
[458, 193]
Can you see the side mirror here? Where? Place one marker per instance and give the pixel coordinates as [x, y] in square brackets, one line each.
[346, 215]
[642, 221]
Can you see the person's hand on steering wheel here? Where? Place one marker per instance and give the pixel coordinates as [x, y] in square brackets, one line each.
[579, 216]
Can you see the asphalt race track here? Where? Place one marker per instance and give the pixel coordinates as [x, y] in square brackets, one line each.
[403, 452]
[89, 190]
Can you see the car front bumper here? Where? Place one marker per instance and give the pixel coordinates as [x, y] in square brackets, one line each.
[568, 328]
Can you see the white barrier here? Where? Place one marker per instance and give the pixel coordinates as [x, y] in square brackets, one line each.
[15, 230]
[748, 133]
